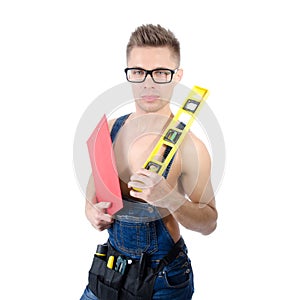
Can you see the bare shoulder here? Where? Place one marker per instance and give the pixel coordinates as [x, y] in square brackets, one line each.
[198, 143]
[194, 152]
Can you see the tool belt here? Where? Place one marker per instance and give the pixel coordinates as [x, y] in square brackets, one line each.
[125, 278]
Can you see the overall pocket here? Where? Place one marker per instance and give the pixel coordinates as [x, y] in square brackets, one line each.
[134, 238]
[178, 273]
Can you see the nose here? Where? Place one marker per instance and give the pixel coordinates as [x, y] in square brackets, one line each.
[148, 81]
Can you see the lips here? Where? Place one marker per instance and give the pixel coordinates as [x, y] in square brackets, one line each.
[150, 98]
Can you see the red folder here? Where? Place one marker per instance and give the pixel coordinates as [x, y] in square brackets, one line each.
[104, 167]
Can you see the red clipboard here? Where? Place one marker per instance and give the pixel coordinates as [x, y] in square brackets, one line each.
[104, 167]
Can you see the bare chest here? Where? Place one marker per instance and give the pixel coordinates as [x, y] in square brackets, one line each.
[132, 147]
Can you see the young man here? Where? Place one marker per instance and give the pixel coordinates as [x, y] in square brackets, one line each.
[184, 195]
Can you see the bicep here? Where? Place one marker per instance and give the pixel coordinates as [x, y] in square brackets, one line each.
[196, 173]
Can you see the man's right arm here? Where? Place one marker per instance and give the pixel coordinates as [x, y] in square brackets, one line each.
[94, 211]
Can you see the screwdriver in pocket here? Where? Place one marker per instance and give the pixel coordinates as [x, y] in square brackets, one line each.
[110, 262]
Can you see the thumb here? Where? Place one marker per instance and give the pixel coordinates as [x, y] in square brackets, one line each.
[102, 205]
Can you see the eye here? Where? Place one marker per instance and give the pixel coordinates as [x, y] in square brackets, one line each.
[138, 72]
[162, 73]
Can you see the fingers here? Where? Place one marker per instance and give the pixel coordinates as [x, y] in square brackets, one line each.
[137, 180]
[101, 226]
[102, 215]
[144, 179]
[102, 205]
[142, 182]
[102, 221]
[138, 194]
[98, 216]
[136, 184]
[150, 187]
[147, 173]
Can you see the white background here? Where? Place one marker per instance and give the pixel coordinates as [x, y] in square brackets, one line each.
[58, 56]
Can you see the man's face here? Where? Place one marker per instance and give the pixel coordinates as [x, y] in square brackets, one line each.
[150, 96]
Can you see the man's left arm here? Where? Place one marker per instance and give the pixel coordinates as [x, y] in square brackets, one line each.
[198, 212]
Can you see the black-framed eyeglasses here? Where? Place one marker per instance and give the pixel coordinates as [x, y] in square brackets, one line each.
[159, 75]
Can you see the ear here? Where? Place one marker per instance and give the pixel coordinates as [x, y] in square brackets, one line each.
[178, 75]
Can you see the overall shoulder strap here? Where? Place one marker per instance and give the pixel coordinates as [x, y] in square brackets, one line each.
[117, 126]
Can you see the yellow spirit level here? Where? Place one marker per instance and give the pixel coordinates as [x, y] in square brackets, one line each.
[176, 131]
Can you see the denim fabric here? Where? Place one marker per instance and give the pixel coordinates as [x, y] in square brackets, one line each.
[176, 280]
[134, 232]
[88, 295]
[137, 212]
[131, 238]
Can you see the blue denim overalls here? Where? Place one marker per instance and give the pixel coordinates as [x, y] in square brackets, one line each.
[138, 228]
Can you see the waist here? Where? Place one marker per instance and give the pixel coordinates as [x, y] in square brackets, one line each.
[137, 212]
[139, 228]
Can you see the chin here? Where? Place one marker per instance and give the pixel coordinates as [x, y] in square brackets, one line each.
[151, 106]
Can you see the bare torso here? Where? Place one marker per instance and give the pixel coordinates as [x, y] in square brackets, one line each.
[134, 143]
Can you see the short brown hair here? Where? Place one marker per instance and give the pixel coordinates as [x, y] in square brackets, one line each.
[154, 36]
